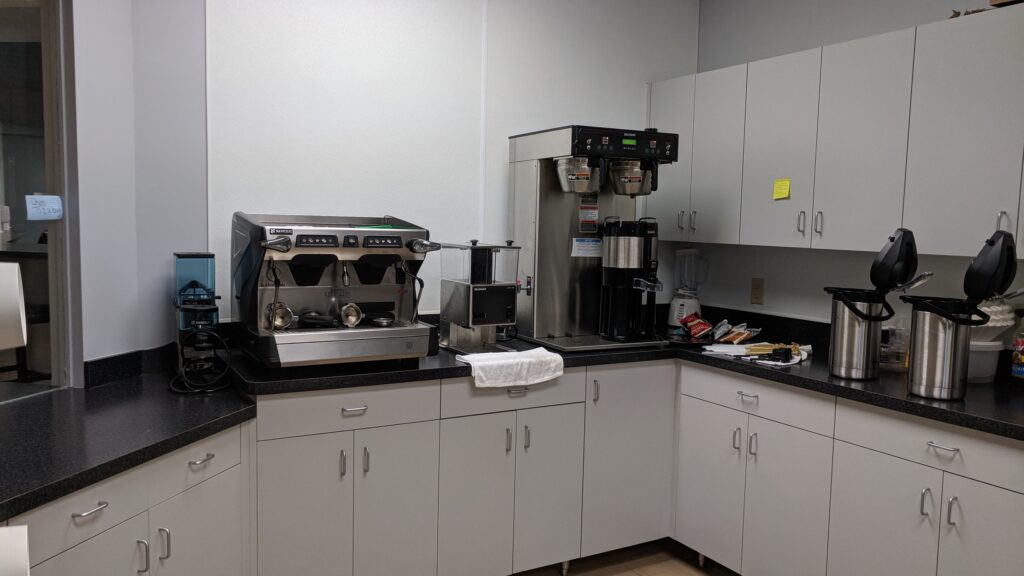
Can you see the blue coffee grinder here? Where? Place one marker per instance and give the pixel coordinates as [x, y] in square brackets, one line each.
[203, 360]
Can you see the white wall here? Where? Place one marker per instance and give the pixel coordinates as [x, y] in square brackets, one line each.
[738, 31]
[551, 64]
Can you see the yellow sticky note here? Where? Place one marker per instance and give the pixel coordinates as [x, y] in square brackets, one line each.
[781, 189]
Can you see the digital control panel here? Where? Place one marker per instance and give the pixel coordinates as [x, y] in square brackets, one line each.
[316, 241]
[639, 144]
[382, 242]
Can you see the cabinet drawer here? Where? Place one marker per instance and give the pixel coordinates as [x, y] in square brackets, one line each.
[301, 413]
[985, 457]
[800, 408]
[459, 397]
[180, 470]
[52, 528]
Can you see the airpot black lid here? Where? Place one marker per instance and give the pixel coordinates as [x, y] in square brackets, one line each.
[993, 269]
[896, 263]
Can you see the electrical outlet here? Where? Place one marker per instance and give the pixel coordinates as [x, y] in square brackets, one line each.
[757, 290]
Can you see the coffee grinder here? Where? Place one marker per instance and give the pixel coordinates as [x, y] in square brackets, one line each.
[202, 353]
[478, 295]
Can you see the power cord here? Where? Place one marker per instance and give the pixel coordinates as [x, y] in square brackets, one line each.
[201, 375]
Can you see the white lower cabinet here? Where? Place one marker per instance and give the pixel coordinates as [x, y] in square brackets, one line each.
[304, 505]
[396, 499]
[120, 551]
[477, 495]
[549, 486]
[200, 530]
[982, 529]
[884, 514]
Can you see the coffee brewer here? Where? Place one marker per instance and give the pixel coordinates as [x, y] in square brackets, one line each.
[324, 290]
[478, 295]
[578, 269]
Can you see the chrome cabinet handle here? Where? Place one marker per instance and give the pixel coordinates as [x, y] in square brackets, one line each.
[801, 222]
[344, 463]
[513, 392]
[744, 396]
[999, 219]
[167, 540]
[366, 460]
[752, 444]
[209, 456]
[924, 494]
[145, 554]
[819, 222]
[597, 390]
[526, 437]
[99, 506]
[736, 434]
[693, 220]
[949, 510]
[681, 219]
[354, 411]
[941, 447]
[508, 440]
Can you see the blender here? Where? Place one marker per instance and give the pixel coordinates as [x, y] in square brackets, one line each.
[690, 274]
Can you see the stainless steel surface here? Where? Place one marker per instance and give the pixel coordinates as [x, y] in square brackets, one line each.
[508, 440]
[526, 437]
[752, 444]
[476, 340]
[366, 460]
[421, 246]
[354, 411]
[343, 463]
[914, 282]
[855, 342]
[939, 355]
[308, 347]
[575, 175]
[622, 252]
[590, 343]
[279, 244]
[200, 461]
[924, 495]
[941, 447]
[949, 510]
[167, 543]
[351, 315]
[145, 556]
[744, 396]
[281, 316]
[383, 321]
[99, 506]
[514, 392]
[737, 439]
[597, 390]
[625, 178]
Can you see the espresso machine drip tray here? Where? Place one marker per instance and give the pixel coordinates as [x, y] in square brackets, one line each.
[591, 343]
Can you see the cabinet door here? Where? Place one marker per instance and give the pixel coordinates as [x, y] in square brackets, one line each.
[627, 476]
[862, 141]
[549, 486]
[719, 110]
[981, 531]
[116, 552]
[304, 505]
[781, 126]
[709, 501]
[785, 517]
[396, 500]
[200, 530]
[477, 495]
[884, 515]
[672, 111]
[966, 131]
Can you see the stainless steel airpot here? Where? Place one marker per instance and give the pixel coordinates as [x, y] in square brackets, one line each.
[857, 314]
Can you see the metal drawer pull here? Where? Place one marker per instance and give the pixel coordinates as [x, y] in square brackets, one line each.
[752, 444]
[344, 463]
[597, 391]
[949, 511]
[941, 447]
[744, 396]
[924, 494]
[526, 437]
[819, 222]
[359, 410]
[508, 440]
[167, 539]
[736, 434]
[681, 219]
[693, 220]
[209, 456]
[517, 391]
[99, 506]
[366, 460]
[145, 546]
[801, 222]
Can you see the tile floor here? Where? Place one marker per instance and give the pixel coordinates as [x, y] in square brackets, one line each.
[645, 560]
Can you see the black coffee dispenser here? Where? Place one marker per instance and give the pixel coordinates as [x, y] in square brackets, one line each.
[629, 279]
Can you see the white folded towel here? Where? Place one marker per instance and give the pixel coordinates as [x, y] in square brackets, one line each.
[503, 369]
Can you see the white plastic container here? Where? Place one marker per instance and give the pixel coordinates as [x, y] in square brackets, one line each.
[984, 361]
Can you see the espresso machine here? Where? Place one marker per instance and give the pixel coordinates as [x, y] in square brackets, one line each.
[478, 295]
[325, 290]
[580, 289]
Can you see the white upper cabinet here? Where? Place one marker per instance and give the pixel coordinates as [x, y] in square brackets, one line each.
[781, 126]
[862, 141]
[672, 111]
[966, 131]
[720, 99]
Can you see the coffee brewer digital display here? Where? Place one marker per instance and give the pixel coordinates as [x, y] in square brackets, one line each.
[588, 266]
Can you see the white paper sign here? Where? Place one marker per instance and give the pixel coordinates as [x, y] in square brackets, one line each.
[43, 207]
[586, 248]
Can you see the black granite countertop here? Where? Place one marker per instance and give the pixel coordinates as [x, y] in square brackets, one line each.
[54, 443]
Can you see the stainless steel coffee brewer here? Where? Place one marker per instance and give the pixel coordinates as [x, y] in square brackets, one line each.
[323, 290]
[478, 295]
[563, 184]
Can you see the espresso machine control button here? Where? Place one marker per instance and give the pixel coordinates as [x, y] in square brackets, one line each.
[351, 241]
